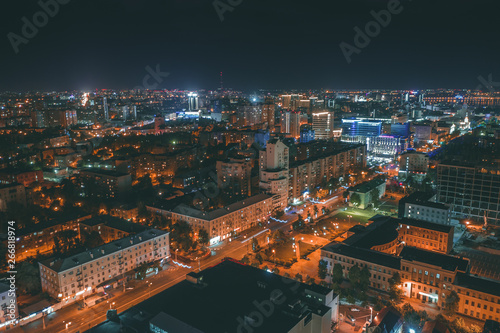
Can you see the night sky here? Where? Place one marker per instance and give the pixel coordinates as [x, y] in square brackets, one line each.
[270, 44]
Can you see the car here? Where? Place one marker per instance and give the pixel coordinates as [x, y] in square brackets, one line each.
[305, 258]
[355, 310]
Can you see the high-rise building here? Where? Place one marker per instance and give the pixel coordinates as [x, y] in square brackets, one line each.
[357, 127]
[268, 114]
[193, 102]
[274, 168]
[105, 107]
[234, 176]
[322, 123]
[472, 191]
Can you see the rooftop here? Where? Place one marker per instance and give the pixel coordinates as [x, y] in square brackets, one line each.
[372, 256]
[478, 284]
[366, 187]
[63, 264]
[110, 173]
[381, 231]
[208, 216]
[219, 298]
[446, 262]
[115, 223]
[426, 225]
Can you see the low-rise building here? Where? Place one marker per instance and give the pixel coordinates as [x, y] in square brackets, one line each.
[223, 223]
[413, 163]
[8, 304]
[426, 235]
[12, 193]
[232, 297]
[83, 273]
[105, 184]
[429, 276]
[367, 192]
[11, 175]
[479, 297]
[423, 206]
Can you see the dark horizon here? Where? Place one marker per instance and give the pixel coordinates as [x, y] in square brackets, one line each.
[281, 45]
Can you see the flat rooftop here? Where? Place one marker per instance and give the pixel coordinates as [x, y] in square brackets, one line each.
[426, 225]
[215, 299]
[446, 262]
[208, 216]
[379, 258]
[63, 264]
[478, 284]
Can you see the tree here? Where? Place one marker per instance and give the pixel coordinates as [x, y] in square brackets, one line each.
[337, 273]
[92, 239]
[364, 278]
[255, 245]
[395, 291]
[141, 271]
[315, 210]
[28, 278]
[298, 277]
[203, 237]
[276, 270]
[375, 194]
[322, 269]
[259, 258]
[354, 274]
[355, 199]
[451, 302]
[279, 214]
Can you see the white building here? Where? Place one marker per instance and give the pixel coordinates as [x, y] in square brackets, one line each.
[8, 304]
[83, 273]
[274, 169]
[323, 125]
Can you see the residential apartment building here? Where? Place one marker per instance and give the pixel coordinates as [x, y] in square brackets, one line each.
[234, 176]
[426, 235]
[224, 223]
[8, 304]
[12, 193]
[240, 297]
[274, 164]
[12, 175]
[422, 206]
[473, 192]
[307, 174]
[82, 274]
[104, 183]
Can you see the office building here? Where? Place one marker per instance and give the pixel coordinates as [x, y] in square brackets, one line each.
[12, 194]
[104, 183]
[387, 145]
[426, 235]
[322, 124]
[400, 129]
[412, 162]
[242, 299]
[224, 223]
[234, 176]
[87, 272]
[273, 172]
[357, 127]
[472, 191]
[423, 206]
[306, 134]
[479, 298]
[193, 102]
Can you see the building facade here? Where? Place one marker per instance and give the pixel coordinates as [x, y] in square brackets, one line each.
[82, 274]
[105, 184]
[274, 164]
[234, 176]
[12, 193]
[426, 235]
[224, 223]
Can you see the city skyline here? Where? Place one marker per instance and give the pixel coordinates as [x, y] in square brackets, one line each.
[289, 45]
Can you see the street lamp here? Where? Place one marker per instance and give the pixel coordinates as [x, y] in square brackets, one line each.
[176, 254]
[111, 304]
[274, 256]
[371, 314]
